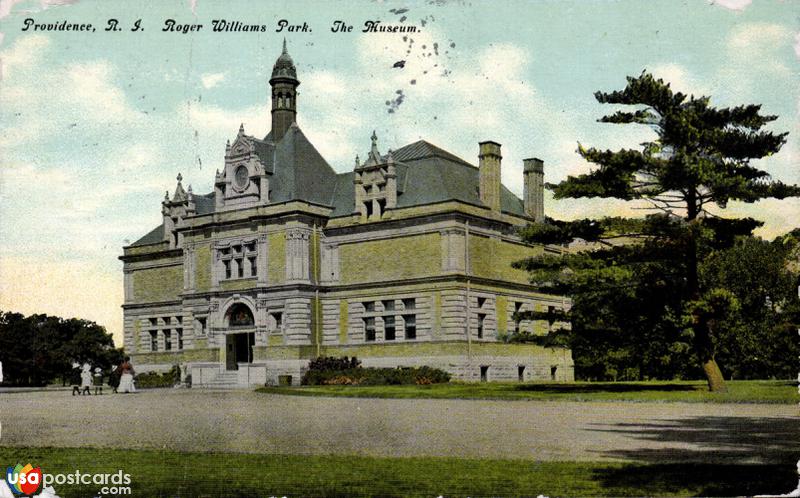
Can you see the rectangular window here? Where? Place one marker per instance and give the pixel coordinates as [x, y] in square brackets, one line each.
[167, 340]
[369, 329]
[227, 268]
[240, 267]
[481, 302]
[409, 304]
[179, 336]
[550, 311]
[410, 326]
[201, 325]
[167, 320]
[388, 305]
[153, 340]
[253, 267]
[389, 328]
[517, 309]
[481, 320]
[369, 307]
[277, 318]
[153, 322]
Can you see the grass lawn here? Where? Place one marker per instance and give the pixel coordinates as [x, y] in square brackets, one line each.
[157, 473]
[739, 391]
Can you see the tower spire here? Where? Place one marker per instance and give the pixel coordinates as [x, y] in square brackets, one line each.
[284, 85]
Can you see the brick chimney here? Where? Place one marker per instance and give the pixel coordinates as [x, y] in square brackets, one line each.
[489, 174]
[533, 188]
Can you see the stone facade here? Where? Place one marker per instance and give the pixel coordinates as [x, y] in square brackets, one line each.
[403, 261]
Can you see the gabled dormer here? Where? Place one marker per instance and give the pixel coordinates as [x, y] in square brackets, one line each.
[375, 183]
[244, 181]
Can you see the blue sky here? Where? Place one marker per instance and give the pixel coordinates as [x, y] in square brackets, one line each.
[95, 126]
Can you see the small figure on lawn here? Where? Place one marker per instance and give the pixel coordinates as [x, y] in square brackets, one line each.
[86, 379]
[98, 381]
[113, 379]
[75, 379]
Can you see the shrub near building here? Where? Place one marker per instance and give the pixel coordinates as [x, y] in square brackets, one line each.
[329, 370]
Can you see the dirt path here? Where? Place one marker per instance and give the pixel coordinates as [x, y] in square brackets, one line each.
[243, 421]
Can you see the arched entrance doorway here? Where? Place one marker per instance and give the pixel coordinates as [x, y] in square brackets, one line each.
[240, 337]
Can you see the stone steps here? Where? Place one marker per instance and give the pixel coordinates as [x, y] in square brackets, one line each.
[224, 380]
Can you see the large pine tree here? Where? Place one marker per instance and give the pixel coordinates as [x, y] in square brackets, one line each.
[701, 158]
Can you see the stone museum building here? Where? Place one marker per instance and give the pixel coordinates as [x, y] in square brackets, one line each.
[404, 260]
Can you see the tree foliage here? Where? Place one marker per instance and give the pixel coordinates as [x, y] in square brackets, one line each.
[699, 158]
[39, 349]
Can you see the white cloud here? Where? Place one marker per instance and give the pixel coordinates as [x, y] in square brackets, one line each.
[797, 45]
[210, 80]
[758, 36]
[738, 5]
[25, 53]
[680, 79]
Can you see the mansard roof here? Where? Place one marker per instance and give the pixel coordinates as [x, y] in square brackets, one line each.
[426, 174]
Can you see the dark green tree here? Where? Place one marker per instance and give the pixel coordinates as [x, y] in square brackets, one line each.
[39, 349]
[699, 158]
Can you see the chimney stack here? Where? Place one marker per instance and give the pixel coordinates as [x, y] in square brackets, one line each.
[533, 188]
[489, 174]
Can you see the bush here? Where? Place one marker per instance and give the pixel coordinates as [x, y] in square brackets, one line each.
[155, 379]
[347, 371]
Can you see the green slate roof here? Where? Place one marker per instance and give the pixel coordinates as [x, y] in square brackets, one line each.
[426, 174]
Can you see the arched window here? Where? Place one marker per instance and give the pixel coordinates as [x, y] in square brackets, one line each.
[239, 315]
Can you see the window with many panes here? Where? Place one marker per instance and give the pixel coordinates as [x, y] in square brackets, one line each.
[396, 316]
[239, 260]
[170, 328]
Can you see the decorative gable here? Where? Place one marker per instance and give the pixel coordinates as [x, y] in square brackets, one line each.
[244, 181]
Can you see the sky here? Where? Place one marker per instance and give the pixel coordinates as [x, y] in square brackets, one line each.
[95, 126]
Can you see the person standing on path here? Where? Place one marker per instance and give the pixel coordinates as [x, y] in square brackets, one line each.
[126, 380]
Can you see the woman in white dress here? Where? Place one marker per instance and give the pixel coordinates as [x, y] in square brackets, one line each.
[86, 379]
[126, 380]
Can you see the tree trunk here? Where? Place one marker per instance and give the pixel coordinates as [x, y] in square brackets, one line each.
[716, 383]
[704, 346]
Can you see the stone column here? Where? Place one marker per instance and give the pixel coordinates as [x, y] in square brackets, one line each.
[329, 263]
[297, 255]
[297, 320]
[262, 259]
[128, 283]
[188, 268]
[453, 250]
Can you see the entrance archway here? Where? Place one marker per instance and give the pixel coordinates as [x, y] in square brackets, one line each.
[240, 337]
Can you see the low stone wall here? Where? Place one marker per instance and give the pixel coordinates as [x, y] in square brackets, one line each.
[511, 363]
